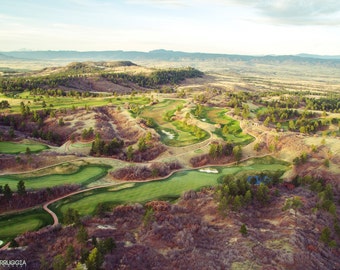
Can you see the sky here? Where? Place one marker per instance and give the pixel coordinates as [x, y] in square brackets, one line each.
[253, 27]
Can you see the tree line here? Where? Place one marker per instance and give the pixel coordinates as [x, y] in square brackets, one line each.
[236, 193]
[156, 78]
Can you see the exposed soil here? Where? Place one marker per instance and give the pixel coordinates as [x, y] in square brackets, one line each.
[193, 235]
[10, 163]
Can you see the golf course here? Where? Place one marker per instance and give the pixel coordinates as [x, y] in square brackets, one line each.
[15, 224]
[21, 147]
[172, 132]
[229, 129]
[82, 175]
[168, 189]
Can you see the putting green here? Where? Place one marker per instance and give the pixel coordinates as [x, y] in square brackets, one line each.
[20, 147]
[18, 223]
[83, 176]
[169, 188]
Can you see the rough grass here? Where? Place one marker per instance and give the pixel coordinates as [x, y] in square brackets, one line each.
[18, 223]
[245, 265]
[170, 188]
[279, 244]
[17, 148]
[81, 145]
[83, 176]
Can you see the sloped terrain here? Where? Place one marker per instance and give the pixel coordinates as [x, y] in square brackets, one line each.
[192, 234]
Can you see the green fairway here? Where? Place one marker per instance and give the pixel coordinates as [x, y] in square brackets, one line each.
[18, 223]
[233, 132]
[17, 148]
[68, 102]
[83, 175]
[169, 188]
[159, 110]
[173, 133]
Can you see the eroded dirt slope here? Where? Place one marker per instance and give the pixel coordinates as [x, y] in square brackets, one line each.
[193, 235]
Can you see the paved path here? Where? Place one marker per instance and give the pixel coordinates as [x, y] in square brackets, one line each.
[55, 217]
[5, 246]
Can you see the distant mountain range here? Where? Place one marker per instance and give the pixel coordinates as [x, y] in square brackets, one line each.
[166, 55]
[319, 56]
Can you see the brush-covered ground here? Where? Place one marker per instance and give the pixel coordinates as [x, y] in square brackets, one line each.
[193, 234]
[98, 124]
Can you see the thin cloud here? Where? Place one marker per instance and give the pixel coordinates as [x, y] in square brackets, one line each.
[294, 12]
[160, 3]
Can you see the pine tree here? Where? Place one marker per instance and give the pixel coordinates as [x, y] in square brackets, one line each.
[262, 193]
[247, 197]
[70, 254]
[237, 203]
[21, 187]
[326, 235]
[82, 235]
[7, 192]
[129, 153]
[244, 230]
[13, 244]
[71, 216]
[142, 146]
[44, 264]
[213, 150]
[237, 151]
[148, 137]
[95, 260]
[109, 244]
[59, 263]
[79, 266]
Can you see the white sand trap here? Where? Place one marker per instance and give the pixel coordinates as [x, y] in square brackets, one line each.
[169, 134]
[208, 170]
[106, 227]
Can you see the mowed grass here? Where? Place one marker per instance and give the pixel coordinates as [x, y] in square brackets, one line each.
[84, 175]
[20, 147]
[235, 133]
[182, 135]
[81, 145]
[169, 189]
[15, 224]
[158, 111]
[67, 102]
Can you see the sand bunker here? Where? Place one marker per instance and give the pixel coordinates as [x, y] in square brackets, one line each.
[208, 170]
[169, 134]
[106, 227]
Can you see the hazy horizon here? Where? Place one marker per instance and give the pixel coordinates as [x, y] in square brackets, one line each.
[175, 51]
[279, 27]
